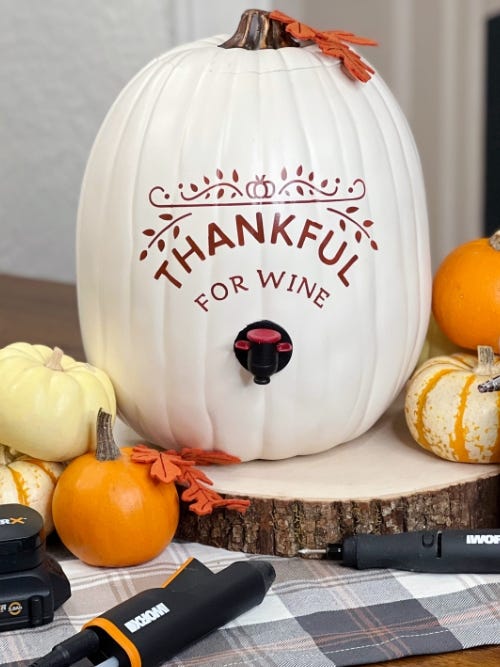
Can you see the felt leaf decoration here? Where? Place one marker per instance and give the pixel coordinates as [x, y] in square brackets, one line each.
[332, 43]
[172, 466]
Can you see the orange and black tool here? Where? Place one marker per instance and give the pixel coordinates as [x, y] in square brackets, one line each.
[158, 623]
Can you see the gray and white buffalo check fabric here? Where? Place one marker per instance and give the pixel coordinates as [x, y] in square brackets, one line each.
[317, 613]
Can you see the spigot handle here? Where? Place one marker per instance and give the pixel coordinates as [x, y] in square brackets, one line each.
[263, 348]
[270, 336]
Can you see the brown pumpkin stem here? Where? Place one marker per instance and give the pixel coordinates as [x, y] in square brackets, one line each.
[106, 449]
[54, 361]
[256, 30]
[485, 360]
[494, 240]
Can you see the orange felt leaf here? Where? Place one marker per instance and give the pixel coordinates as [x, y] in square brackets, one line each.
[205, 457]
[165, 469]
[144, 454]
[301, 31]
[237, 504]
[295, 28]
[164, 466]
[201, 500]
[281, 17]
[342, 36]
[193, 476]
[332, 43]
[204, 501]
[172, 466]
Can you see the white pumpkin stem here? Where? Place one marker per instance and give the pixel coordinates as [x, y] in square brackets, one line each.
[494, 240]
[54, 361]
[485, 360]
[106, 449]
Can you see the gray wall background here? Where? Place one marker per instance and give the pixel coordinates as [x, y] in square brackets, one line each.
[63, 62]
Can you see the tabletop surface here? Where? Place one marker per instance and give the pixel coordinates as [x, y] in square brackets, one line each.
[46, 312]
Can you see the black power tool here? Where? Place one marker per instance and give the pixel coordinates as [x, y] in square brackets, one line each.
[157, 623]
[32, 583]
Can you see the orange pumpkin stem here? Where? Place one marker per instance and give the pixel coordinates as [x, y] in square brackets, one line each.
[106, 449]
[54, 361]
[494, 240]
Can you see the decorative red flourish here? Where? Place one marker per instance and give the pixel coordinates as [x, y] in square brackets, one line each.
[172, 466]
[297, 186]
[331, 42]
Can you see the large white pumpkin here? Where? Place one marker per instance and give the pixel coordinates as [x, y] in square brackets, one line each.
[228, 188]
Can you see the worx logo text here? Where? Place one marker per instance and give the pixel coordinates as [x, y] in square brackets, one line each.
[482, 539]
[147, 617]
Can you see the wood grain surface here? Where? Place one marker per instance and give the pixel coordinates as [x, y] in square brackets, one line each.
[43, 312]
[46, 312]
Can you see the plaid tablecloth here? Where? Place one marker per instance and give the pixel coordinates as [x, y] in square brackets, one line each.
[317, 613]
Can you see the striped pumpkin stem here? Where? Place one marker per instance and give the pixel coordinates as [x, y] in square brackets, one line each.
[494, 240]
[485, 360]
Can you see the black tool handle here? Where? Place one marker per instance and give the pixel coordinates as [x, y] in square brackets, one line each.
[452, 551]
[154, 625]
[158, 623]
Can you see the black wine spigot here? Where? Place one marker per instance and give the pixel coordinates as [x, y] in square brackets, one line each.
[263, 348]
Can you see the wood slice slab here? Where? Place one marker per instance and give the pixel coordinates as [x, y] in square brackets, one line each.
[382, 482]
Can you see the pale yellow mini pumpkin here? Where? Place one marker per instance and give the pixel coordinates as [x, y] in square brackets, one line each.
[49, 402]
[28, 481]
[448, 415]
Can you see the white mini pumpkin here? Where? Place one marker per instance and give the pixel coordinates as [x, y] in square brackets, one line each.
[232, 190]
[49, 402]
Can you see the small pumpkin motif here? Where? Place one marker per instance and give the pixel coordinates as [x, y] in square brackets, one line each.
[108, 510]
[28, 481]
[49, 401]
[466, 294]
[448, 414]
[261, 188]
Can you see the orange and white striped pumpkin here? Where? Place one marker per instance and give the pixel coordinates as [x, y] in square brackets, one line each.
[30, 482]
[448, 415]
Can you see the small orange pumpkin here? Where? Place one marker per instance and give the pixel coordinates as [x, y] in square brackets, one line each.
[466, 294]
[108, 510]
